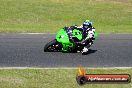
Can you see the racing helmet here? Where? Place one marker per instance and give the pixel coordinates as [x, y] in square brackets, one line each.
[87, 24]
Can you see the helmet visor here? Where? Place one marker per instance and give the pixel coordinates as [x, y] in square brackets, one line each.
[86, 26]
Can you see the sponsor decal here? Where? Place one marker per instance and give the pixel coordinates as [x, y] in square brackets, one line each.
[83, 78]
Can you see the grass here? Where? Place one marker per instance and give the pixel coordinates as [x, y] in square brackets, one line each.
[108, 16]
[54, 78]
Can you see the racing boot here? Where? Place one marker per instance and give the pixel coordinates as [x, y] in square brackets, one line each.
[85, 50]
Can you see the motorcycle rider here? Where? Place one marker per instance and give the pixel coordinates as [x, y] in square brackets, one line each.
[88, 35]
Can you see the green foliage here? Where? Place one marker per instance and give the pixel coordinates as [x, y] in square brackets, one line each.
[109, 16]
[54, 78]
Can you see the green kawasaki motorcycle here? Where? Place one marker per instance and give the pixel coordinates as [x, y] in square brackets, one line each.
[62, 42]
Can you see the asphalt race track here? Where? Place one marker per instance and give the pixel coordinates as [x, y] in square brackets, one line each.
[26, 50]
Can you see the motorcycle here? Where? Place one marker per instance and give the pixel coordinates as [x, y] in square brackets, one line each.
[62, 41]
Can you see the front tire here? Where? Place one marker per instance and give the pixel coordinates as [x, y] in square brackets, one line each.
[51, 46]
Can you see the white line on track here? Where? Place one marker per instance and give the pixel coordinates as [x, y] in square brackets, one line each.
[36, 33]
[55, 33]
[65, 68]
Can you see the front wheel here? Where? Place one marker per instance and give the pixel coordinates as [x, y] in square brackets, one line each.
[52, 46]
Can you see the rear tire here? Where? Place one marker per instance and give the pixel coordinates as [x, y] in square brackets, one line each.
[49, 47]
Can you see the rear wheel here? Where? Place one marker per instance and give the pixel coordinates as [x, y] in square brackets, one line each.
[52, 46]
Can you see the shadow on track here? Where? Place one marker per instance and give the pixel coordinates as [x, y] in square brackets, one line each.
[90, 51]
